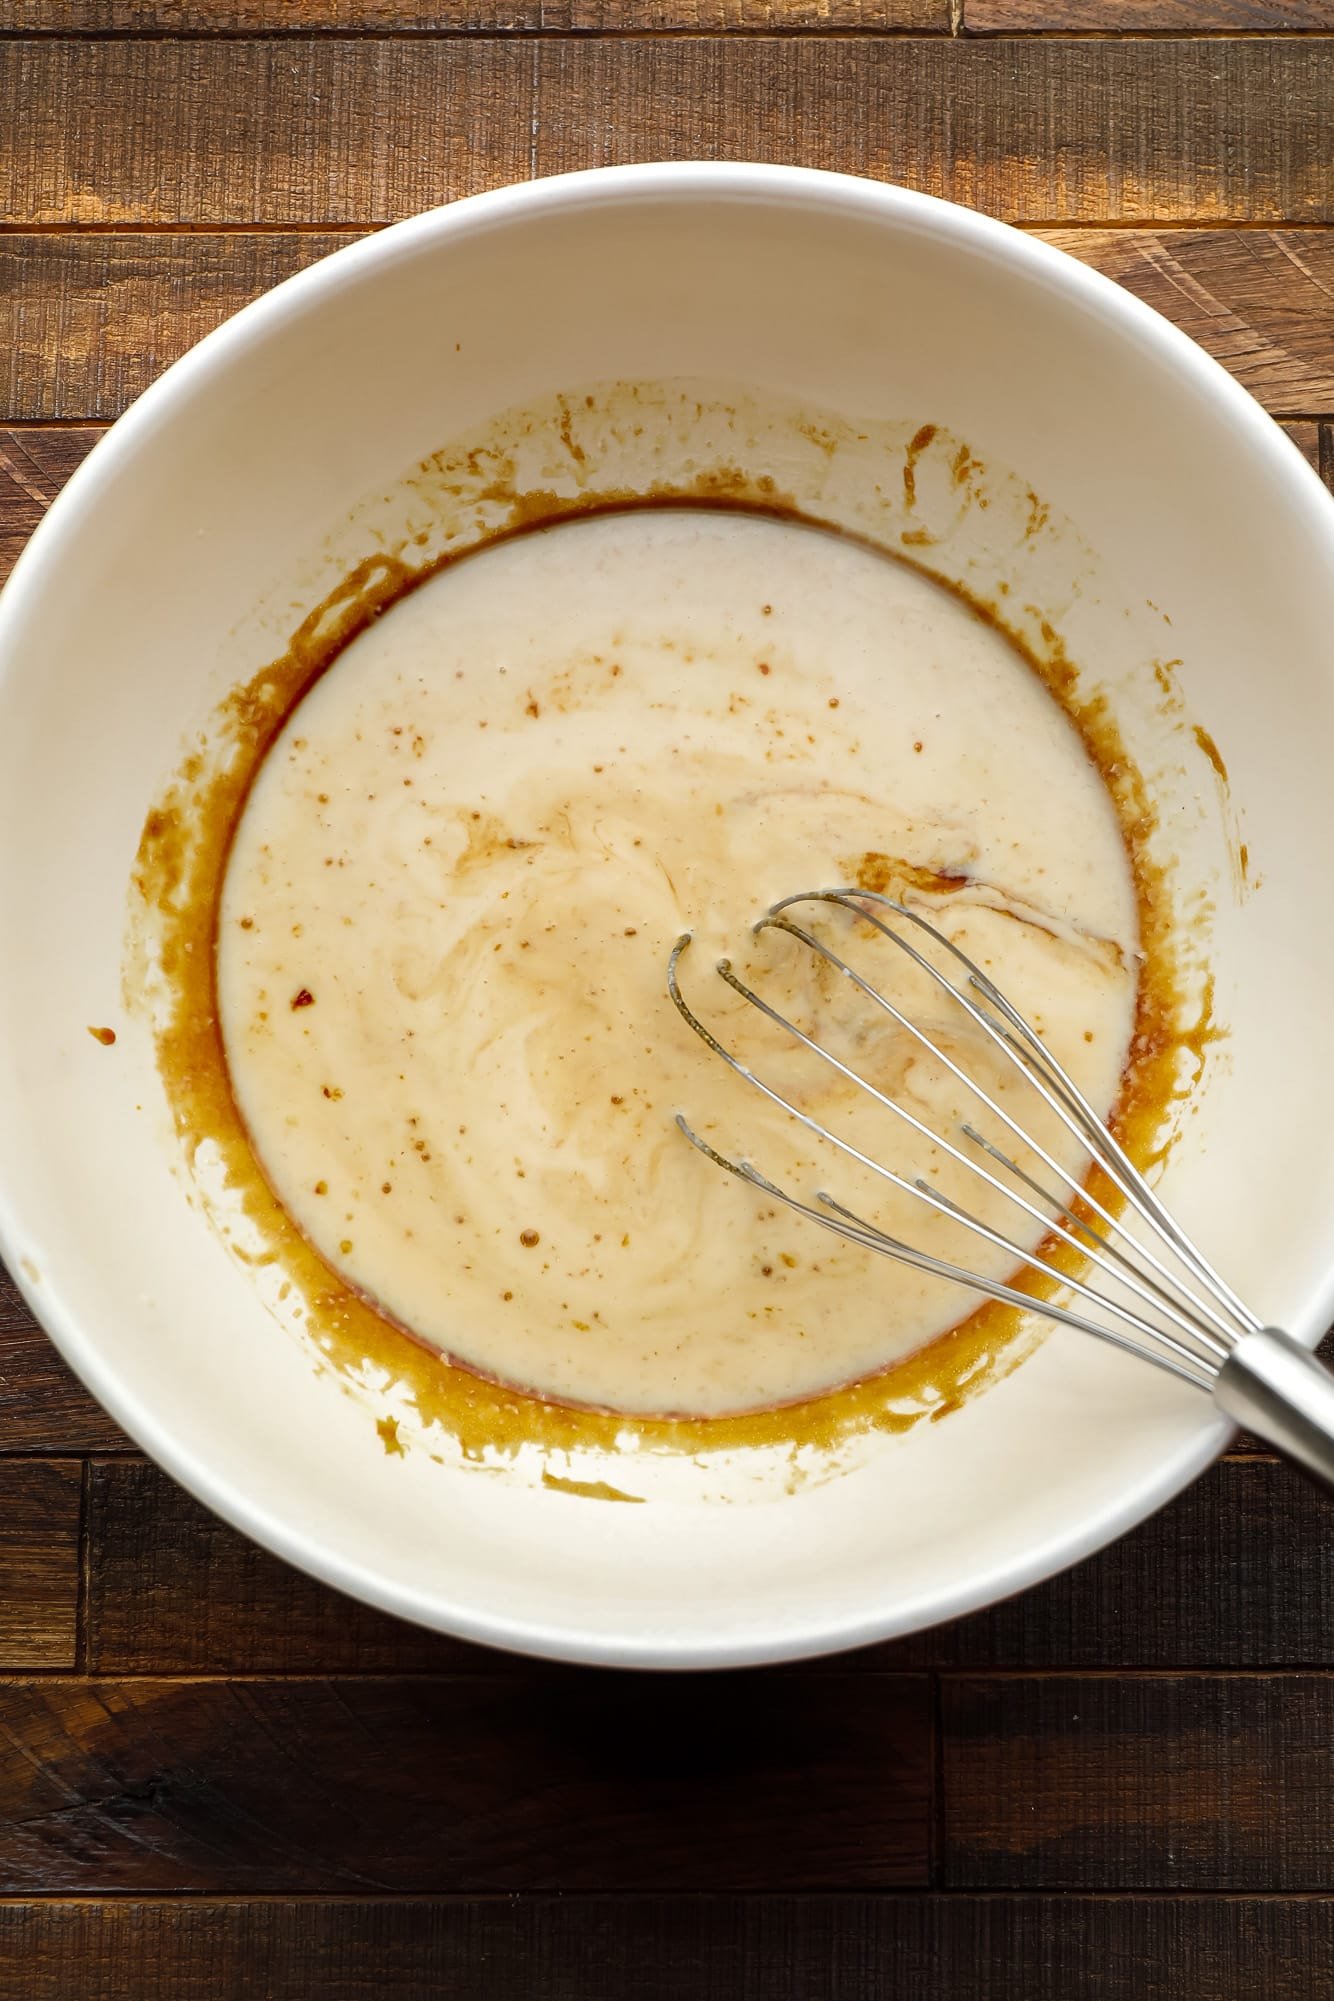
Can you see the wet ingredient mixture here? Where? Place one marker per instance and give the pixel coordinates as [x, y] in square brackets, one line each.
[448, 907]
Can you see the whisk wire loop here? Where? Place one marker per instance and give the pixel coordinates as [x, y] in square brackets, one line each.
[1025, 1048]
[1144, 1284]
[1135, 1267]
[852, 1229]
[942, 1203]
[1202, 1333]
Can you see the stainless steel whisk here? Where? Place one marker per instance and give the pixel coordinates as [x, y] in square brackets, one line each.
[1169, 1307]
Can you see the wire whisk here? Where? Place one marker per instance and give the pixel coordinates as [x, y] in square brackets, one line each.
[1150, 1291]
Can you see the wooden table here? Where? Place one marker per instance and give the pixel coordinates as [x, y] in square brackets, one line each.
[219, 1780]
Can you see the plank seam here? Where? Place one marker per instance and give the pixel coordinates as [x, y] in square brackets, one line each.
[815, 31]
[83, 1588]
[536, 1672]
[354, 230]
[889, 31]
[462, 1899]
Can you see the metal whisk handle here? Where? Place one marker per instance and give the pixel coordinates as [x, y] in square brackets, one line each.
[1282, 1393]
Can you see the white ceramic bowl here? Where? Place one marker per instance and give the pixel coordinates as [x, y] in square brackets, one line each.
[134, 609]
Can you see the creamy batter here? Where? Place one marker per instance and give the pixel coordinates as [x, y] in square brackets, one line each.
[447, 913]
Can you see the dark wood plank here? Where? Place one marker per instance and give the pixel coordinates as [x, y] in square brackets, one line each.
[562, 1780]
[43, 1407]
[406, 17]
[39, 1563]
[92, 319]
[1146, 17]
[34, 465]
[361, 131]
[89, 321]
[1120, 17]
[1238, 1572]
[1147, 1782]
[173, 1590]
[712, 1948]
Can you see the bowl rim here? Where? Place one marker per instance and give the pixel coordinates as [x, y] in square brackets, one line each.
[789, 186]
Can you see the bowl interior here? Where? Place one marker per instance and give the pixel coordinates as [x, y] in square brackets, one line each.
[219, 510]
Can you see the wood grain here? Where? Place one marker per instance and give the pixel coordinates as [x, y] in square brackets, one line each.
[406, 17]
[1239, 1571]
[171, 1589]
[1148, 1782]
[1260, 301]
[362, 131]
[1306, 435]
[563, 1780]
[39, 1563]
[1120, 17]
[34, 465]
[87, 322]
[715, 1948]
[43, 1408]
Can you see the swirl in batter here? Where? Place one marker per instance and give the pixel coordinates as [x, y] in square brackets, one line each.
[450, 898]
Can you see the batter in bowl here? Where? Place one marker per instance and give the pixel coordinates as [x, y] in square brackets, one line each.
[448, 906]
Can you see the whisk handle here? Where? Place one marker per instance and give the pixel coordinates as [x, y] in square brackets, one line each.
[1278, 1389]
